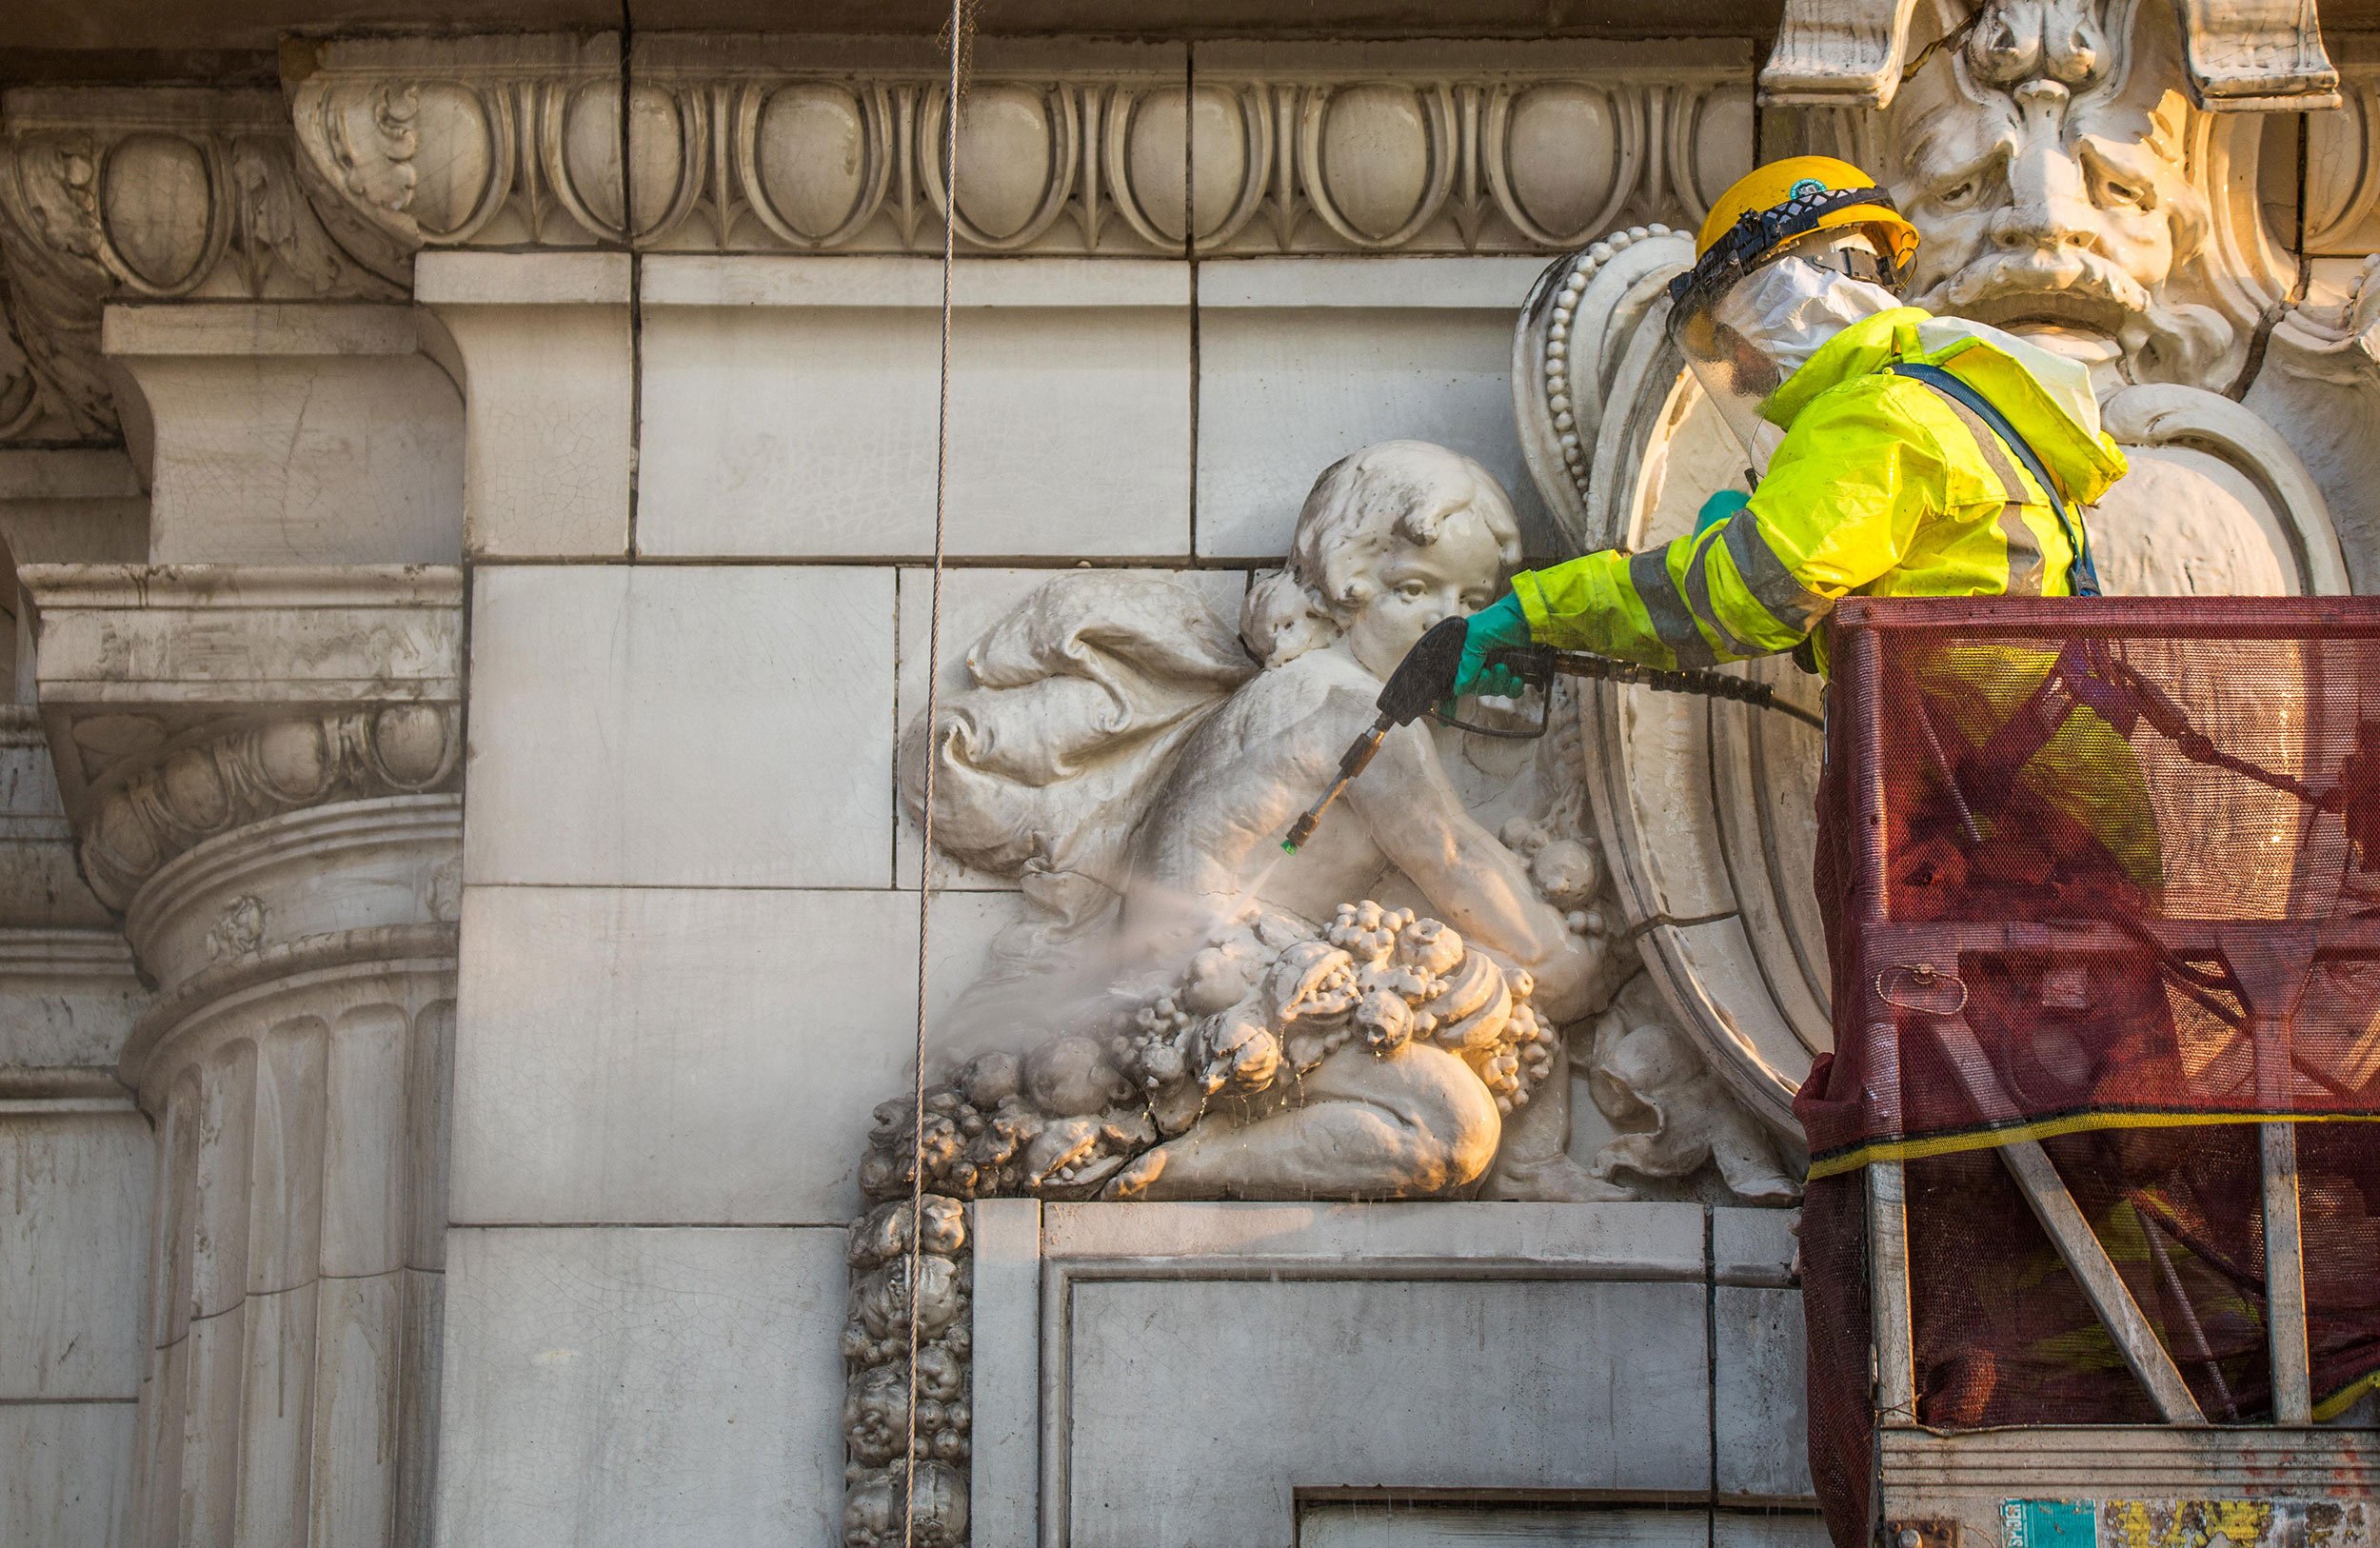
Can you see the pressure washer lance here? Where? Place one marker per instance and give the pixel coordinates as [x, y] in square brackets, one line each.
[1425, 679]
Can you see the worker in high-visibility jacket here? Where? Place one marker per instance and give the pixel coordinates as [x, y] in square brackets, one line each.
[1877, 481]
[1902, 454]
[1897, 454]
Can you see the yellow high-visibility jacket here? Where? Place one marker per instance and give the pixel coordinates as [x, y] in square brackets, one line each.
[1882, 486]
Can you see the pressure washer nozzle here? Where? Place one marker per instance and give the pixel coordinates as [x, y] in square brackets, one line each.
[1288, 848]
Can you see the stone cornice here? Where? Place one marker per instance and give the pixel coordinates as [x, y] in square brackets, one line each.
[2238, 58]
[831, 144]
[155, 193]
[380, 148]
[246, 587]
[207, 639]
[184, 702]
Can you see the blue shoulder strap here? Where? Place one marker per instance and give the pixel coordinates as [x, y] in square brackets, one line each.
[2082, 577]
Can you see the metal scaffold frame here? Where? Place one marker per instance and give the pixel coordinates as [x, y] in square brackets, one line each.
[1936, 1489]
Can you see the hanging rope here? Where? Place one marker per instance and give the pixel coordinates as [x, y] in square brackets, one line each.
[961, 30]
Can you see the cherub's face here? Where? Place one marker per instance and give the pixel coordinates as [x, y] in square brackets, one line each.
[1415, 587]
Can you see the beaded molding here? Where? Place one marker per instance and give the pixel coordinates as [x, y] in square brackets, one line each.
[1584, 268]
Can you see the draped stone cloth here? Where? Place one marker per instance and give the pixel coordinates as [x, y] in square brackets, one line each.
[1081, 702]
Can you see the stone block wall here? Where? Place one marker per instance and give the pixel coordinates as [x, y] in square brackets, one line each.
[693, 492]
[700, 492]
[690, 916]
[624, 369]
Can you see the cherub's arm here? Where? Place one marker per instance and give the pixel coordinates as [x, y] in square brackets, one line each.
[1471, 881]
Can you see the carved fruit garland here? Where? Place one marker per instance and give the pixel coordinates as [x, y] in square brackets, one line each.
[876, 1372]
[1234, 1035]
[1263, 1004]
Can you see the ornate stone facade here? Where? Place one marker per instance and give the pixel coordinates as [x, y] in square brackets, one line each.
[157, 196]
[552, 1185]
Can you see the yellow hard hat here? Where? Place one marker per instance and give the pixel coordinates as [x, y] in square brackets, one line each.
[1807, 180]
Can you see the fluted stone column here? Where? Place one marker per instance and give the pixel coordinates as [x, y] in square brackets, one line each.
[262, 768]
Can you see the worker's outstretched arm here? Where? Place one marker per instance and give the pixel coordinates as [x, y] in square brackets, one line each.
[1841, 505]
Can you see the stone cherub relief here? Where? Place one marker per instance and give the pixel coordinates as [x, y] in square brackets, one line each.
[1184, 1011]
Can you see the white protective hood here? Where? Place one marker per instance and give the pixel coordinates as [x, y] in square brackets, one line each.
[1787, 309]
[1784, 313]
[1763, 329]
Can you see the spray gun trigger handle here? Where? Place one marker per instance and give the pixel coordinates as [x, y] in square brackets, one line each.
[1427, 673]
[1532, 664]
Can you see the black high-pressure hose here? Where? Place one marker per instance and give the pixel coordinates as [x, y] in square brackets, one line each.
[1424, 681]
[1537, 664]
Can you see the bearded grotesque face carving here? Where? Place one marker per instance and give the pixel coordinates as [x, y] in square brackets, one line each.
[2048, 165]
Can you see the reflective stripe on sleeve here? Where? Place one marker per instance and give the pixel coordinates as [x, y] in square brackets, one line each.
[1649, 573]
[1765, 576]
[1698, 597]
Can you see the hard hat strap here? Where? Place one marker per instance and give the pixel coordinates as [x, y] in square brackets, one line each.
[1758, 233]
[1854, 263]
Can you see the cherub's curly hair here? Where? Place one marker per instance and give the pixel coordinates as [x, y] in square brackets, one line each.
[1396, 492]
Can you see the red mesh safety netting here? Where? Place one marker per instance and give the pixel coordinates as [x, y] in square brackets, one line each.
[2104, 875]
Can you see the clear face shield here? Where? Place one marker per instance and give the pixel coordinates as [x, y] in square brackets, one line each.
[1745, 331]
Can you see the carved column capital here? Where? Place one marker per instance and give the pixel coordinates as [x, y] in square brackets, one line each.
[187, 703]
[222, 780]
[156, 193]
[261, 767]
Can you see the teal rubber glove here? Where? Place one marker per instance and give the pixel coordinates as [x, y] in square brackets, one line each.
[1719, 508]
[1499, 626]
